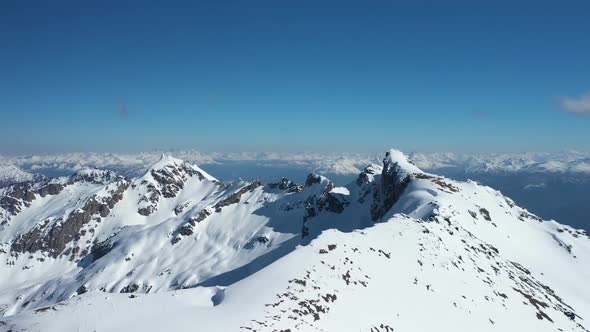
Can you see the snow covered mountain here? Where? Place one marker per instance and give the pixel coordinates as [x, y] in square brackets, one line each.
[398, 249]
[11, 174]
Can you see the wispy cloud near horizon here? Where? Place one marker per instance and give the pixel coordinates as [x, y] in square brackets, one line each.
[579, 104]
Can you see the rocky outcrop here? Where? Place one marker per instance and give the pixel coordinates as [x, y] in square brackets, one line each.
[178, 209]
[312, 179]
[149, 201]
[131, 288]
[235, 197]
[286, 184]
[101, 249]
[54, 237]
[187, 229]
[325, 200]
[366, 176]
[200, 217]
[394, 180]
[96, 176]
[172, 178]
[366, 181]
[51, 189]
[333, 203]
[21, 195]
[17, 197]
[256, 241]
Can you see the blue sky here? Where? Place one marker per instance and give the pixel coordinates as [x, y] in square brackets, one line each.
[294, 75]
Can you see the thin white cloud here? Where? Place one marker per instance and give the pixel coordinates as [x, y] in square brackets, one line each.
[579, 104]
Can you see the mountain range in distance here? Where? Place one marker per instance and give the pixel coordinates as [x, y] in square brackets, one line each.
[533, 180]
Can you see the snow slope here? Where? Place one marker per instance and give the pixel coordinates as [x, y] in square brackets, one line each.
[398, 249]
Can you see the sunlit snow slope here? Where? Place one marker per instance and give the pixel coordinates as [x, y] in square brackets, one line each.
[175, 249]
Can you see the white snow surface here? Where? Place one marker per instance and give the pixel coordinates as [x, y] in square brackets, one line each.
[447, 255]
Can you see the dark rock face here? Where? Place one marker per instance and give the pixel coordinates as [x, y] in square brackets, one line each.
[527, 215]
[23, 191]
[146, 211]
[152, 197]
[95, 176]
[394, 181]
[334, 204]
[187, 229]
[172, 178]
[81, 290]
[256, 241]
[286, 184]
[485, 213]
[101, 249]
[439, 181]
[363, 177]
[325, 201]
[180, 207]
[310, 211]
[312, 179]
[132, 288]
[51, 189]
[170, 186]
[235, 197]
[20, 195]
[55, 239]
[366, 182]
[200, 217]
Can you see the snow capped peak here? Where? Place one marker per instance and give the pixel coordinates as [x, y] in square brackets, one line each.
[170, 166]
[396, 157]
[397, 173]
[165, 161]
[166, 179]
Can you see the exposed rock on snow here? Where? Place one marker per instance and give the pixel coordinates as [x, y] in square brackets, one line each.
[286, 184]
[54, 237]
[396, 174]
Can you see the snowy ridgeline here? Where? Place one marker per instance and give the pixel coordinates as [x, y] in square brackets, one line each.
[398, 249]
